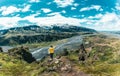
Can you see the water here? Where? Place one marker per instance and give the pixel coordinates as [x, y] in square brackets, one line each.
[6, 48]
[115, 34]
[71, 44]
[39, 53]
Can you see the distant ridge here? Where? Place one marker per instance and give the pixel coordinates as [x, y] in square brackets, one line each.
[36, 34]
[42, 29]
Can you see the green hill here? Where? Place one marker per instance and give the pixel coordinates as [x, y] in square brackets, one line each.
[37, 34]
[102, 58]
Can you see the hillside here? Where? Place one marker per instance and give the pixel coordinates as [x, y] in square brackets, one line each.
[102, 58]
[37, 34]
[34, 29]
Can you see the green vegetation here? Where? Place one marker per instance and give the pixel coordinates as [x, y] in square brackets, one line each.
[102, 59]
[44, 44]
[44, 37]
[10, 66]
[36, 34]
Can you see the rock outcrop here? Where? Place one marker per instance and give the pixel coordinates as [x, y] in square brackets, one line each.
[1, 50]
[22, 53]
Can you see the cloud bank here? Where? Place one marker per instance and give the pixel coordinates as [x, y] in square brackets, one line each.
[95, 15]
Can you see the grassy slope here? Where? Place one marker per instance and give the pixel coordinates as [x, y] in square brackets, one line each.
[10, 66]
[104, 60]
[44, 44]
[107, 51]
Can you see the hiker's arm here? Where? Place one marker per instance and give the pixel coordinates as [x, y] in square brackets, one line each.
[48, 51]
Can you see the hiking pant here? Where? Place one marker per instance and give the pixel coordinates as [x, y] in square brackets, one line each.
[51, 55]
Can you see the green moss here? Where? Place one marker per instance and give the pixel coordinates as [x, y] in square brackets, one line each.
[73, 56]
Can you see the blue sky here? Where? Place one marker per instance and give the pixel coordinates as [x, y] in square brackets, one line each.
[96, 14]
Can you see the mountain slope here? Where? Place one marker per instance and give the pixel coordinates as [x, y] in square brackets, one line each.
[32, 29]
[37, 34]
[102, 59]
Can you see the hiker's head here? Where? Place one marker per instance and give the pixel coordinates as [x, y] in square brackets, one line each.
[51, 46]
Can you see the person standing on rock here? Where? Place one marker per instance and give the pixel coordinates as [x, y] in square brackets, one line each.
[51, 52]
[82, 53]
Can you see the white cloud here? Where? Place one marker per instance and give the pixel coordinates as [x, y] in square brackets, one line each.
[55, 18]
[53, 14]
[96, 7]
[109, 21]
[3, 8]
[64, 3]
[63, 11]
[82, 15]
[98, 16]
[32, 1]
[76, 4]
[17, 15]
[101, 9]
[73, 8]
[46, 10]
[26, 8]
[117, 6]
[9, 10]
[49, 3]
[12, 9]
[109, 17]
[8, 22]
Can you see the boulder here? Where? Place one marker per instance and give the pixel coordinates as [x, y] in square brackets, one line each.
[22, 53]
[1, 50]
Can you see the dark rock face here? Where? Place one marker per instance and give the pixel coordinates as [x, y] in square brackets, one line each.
[22, 53]
[27, 56]
[1, 49]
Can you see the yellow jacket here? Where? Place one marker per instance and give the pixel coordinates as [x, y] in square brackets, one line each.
[51, 50]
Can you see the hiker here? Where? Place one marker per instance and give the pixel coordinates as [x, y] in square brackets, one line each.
[82, 53]
[83, 48]
[51, 52]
